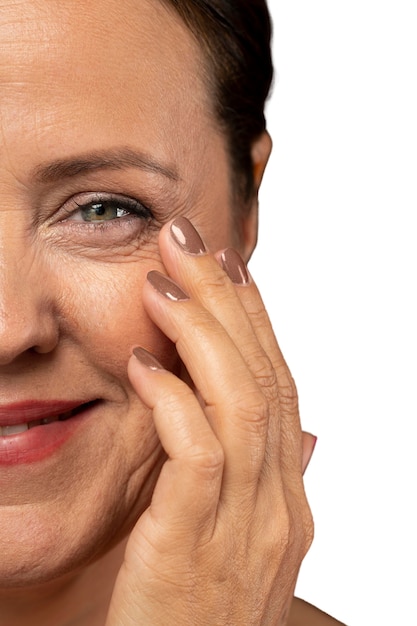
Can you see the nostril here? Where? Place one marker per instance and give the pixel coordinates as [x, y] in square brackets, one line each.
[46, 347]
[20, 337]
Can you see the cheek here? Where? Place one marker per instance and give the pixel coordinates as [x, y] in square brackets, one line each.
[103, 314]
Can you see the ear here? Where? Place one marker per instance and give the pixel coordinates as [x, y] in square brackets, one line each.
[261, 150]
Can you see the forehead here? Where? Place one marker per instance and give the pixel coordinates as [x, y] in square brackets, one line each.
[103, 29]
[103, 32]
[99, 65]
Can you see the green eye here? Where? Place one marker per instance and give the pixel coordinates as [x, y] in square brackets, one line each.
[102, 211]
[111, 208]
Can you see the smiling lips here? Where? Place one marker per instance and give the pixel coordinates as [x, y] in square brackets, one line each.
[16, 429]
[21, 439]
[28, 411]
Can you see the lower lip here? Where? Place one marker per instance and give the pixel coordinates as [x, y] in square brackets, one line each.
[40, 442]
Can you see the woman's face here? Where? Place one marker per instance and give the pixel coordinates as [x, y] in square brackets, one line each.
[106, 134]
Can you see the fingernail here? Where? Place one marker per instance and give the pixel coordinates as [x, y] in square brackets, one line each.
[165, 286]
[234, 267]
[309, 443]
[186, 236]
[146, 358]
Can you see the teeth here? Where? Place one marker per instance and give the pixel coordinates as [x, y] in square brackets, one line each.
[48, 420]
[13, 430]
[21, 428]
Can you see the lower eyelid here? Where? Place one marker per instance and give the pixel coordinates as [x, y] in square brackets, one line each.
[117, 234]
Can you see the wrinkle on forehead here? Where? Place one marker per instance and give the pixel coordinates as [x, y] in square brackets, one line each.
[47, 46]
[46, 33]
[73, 74]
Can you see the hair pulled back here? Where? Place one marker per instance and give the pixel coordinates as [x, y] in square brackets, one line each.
[235, 36]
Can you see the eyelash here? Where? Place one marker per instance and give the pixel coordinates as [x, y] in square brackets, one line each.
[127, 205]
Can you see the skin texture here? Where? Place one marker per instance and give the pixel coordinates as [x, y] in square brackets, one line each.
[77, 287]
[102, 104]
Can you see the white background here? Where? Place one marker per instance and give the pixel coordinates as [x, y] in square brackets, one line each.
[336, 264]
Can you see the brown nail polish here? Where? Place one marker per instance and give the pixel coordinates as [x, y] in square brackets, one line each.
[234, 267]
[186, 236]
[166, 286]
[146, 358]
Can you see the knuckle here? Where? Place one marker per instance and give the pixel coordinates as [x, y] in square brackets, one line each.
[282, 535]
[289, 388]
[288, 396]
[279, 527]
[308, 530]
[264, 374]
[252, 412]
[210, 282]
[295, 530]
[258, 316]
[302, 530]
[174, 403]
[207, 459]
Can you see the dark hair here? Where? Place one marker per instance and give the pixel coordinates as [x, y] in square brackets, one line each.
[235, 36]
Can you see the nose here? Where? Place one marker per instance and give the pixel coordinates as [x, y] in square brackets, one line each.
[27, 321]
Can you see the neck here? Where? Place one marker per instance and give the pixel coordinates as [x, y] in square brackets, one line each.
[81, 600]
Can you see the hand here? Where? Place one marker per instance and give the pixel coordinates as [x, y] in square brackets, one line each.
[229, 524]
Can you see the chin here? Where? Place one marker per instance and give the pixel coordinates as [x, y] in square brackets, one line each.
[35, 550]
[50, 542]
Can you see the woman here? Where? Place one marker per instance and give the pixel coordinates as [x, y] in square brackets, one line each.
[150, 453]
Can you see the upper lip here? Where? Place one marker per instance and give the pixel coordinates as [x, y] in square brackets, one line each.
[31, 410]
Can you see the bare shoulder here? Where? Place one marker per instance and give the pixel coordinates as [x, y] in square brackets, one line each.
[305, 614]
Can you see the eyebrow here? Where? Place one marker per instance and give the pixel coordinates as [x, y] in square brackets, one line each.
[112, 159]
